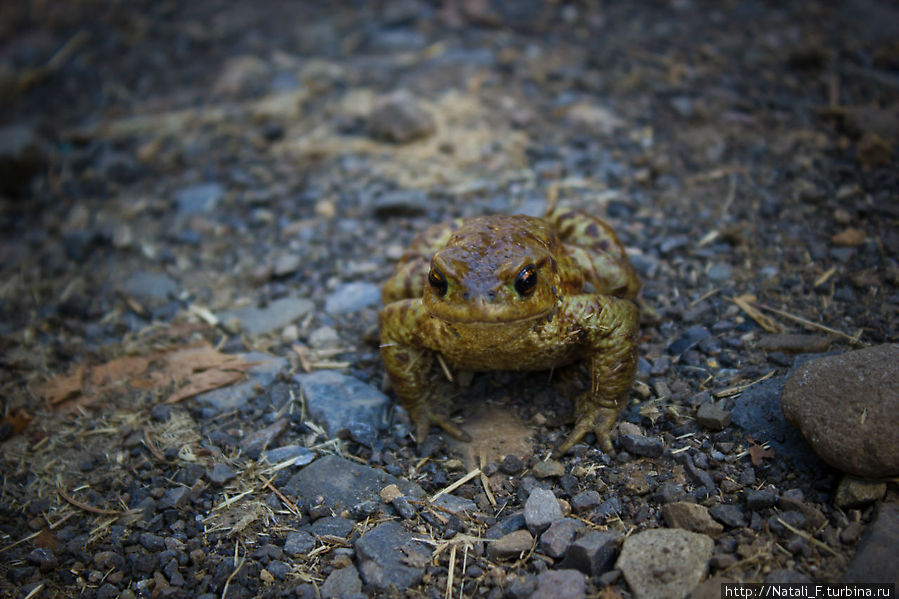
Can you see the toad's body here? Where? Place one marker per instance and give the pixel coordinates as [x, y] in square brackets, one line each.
[514, 293]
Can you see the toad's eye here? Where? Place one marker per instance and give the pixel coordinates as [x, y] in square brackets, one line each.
[437, 281]
[526, 281]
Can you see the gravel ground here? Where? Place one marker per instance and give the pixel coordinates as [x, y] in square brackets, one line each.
[200, 200]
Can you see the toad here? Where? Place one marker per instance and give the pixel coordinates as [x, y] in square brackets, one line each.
[514, 293]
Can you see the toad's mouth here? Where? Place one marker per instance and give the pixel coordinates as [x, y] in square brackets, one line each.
[497, 319]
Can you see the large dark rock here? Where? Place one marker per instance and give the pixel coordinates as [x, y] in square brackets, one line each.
[875, 560]
[389, 558]
[847, 408]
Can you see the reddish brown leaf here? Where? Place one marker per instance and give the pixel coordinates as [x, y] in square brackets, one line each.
[118, 370]
[45, 539]
[757, 453]
[61, 388]
[15, 423]
[205, 381]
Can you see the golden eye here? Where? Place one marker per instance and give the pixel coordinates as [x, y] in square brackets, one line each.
[526, 281]
[437, 281]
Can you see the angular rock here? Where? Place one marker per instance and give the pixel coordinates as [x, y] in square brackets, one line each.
[760, 499]
[875, 559]
[712, 418]
[690, 516]
[299, 455]
[344, 484]
[541, 509]
[642, 445]
[552, 584]
[200, 198]
[256, 442]
[352, 297]
[388, 557]
[400, 118]
[174, 498]
[298, 542]
[731, 516]
[220, 474]
[548, 469]
[273, 317]
[855, 492]
[664, 562]
[149, 286]
[556, 539]
[341, 583]
[594, 553]
[585, 501]
[232, 397]
[847, 408]
[457, 506]
[510, 546]
[332, 526]
[336, 401]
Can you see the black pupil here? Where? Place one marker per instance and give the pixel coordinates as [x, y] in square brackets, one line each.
[526, 281]
[436, 281]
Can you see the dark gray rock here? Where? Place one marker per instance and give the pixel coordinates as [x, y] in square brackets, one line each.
[688, 339]
[298, 542]
[200, 198]
[389, 558]
[594, 553]
[641, 445]
[847, 408]
[256, 442]
[174, 498]
[344, 484]
[541, 509]
[400, 118]
[585, 501]
[457, 506]
[731, 516]
[352, 297]
[296, 454]
[760, 499]
[338, 402]
[22, 154]
[712, 418]
[341, 583]
[552, 584]
[274, 316]
[332, 526]
[43, 558]
[151, 287]
[875, 559]
[220, 474]
[556, 539]
[233, 396]
[510, 546]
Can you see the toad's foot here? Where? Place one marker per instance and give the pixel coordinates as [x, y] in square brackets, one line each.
[424, 417]
[599, 417]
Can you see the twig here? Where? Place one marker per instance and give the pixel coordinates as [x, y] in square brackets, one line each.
[148, 443]
[86, 507]
[456, 484]
[854, 339]
[806, 536]
[449, 576]
[446, 370]
[485, 482]
[288, 503]
[736, 389]
[744, 302]
[34, 592]
[238, 566]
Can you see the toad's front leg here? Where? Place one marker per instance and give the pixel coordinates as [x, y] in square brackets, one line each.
[409, 365]
[610, 328]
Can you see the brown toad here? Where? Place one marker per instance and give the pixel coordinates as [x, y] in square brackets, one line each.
[514, 293]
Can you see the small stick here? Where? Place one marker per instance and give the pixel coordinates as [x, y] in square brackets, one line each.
[288, 503]
[456, 484]
[152, 446]
[446, 370]
[854, 339]
[86, 507]
[485, 482]
[806, 536]
[449, 575]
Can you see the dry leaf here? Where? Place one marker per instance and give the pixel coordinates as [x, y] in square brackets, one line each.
[118, 370]
[757, 453]
[205, 381]
[45, 539]
[61, 388]
[14, 424]
[849, 237]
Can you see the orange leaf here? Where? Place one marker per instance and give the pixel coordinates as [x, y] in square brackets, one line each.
[205, 381]
[61, 388]
[15, 423]
[117, 370]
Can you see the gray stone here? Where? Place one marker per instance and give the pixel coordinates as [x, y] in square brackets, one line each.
[663, 563]
[731, 516]
[510, 546]
[332, 526]
[299, 455]
[556, 539]
[352, 297]
[541, 509]
[585, 501]
[690, 516]
[855, 493]
[298, 542]
[401, 202]
[457, 506]
[711, 417]
[389, 558]
[286, 264]
[273, 317]
[552, 584]
[757, 411]
[233, 396]
[149, 286]
[688, 339]
[174, 498]
[847, 408]
[400, 118]
[875, 559]
[256, 442]
[344, 484]
[200, 198]
[220, 474]
[341, 583]
[336, 401]
[642, 445]
[760, 499]
[719, 272]
[594, 553]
